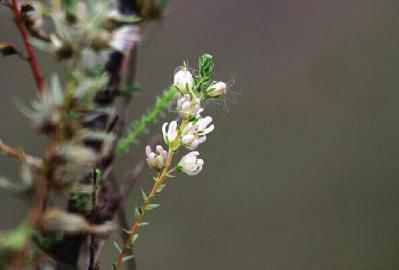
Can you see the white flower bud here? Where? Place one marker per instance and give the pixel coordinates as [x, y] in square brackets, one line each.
[170, 135]
[187, 106]
[216, 90]
[190, 164]
[156, 160]
[183, 80]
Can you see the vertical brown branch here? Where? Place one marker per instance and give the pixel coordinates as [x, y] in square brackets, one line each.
[29, 50]
[38, 200]
[93, 220]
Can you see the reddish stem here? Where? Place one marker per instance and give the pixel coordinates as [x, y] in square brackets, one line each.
[9, 151]
[161, 178]
[29, 50]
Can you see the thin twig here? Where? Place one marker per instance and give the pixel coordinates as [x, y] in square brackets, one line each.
[93, 220]
[161, 178]
[9, 151]
[19, 155]
[29, 50]
[123, 223]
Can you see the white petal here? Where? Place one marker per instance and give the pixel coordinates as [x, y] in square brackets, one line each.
[204, 122]
[187, 139]
[164, 131]
[200, 162]
[148, 150]
[172, 132]
[186, 106]
[201, 139]
[159, 149]
[208, 130]
[193, 145]
[160, 162]
[151, 156]
[188, 128]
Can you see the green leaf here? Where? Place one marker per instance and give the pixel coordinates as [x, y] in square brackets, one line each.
[126, 231]
[117, 246]
[162, 4]
[44, 243]
[69, 5]
[98, 175]
[142, 224]
[145, 197]
[161, 187]
[130, 90]
[127, 258]
[137, 212]
[41, 45]
[134, 239]
[154, 196]
[16, 238]
[206, 65]
[152, 206]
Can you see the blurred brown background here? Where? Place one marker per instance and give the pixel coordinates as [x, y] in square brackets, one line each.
[301, 173]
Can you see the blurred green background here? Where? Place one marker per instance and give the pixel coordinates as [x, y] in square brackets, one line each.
[301, 171]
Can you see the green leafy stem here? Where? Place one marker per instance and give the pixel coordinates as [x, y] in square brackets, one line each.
[140, 126]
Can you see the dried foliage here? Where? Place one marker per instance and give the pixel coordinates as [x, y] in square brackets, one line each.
[84, 127]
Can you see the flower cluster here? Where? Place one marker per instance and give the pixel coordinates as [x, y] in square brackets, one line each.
[192, 128]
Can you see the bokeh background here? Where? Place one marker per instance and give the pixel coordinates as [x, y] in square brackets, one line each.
[302, 169]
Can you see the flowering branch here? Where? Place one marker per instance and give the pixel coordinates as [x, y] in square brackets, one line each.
[29, 50]
[190, 132]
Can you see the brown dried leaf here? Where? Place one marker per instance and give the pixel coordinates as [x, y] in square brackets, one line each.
[56, 220]
[7, 49]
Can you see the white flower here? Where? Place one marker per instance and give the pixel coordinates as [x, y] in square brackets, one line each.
[195, 134]
[157, 159]
[202, 126]
[170, 135]
[183, 80]
[191, 142]
[188, 106]
[190, 164]
[216, 90]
